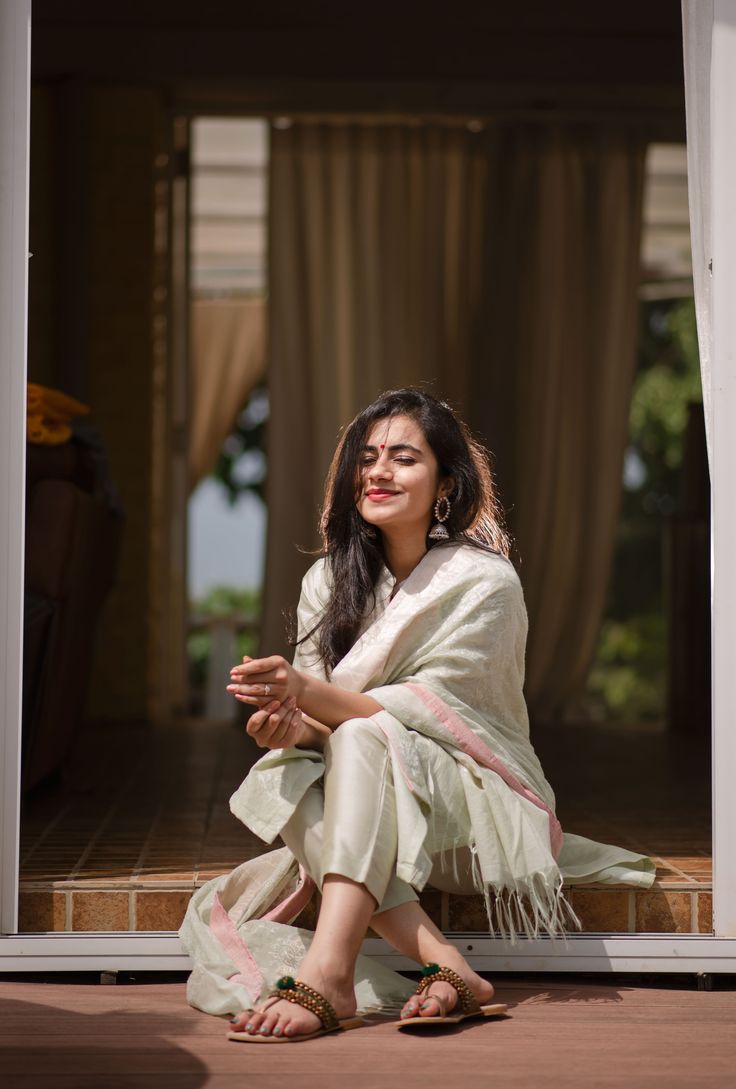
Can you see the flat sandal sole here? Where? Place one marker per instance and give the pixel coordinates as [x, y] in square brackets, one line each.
[498, 1009]
[255, 1038]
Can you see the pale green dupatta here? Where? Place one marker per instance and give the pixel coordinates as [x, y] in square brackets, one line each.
[444, 658]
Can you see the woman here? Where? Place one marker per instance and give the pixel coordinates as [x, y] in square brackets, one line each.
[399, 737]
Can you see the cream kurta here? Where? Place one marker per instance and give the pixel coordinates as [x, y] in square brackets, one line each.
[445, 659]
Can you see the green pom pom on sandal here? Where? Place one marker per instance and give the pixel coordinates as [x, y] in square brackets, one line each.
[430, 970]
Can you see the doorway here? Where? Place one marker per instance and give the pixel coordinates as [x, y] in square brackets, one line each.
[164, 826]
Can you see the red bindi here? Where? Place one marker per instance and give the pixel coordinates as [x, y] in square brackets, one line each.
[382, 445]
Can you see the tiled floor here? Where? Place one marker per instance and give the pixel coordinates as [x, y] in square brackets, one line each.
[145, 820]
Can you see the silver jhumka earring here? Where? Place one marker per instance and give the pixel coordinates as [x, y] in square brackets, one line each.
[442, 510]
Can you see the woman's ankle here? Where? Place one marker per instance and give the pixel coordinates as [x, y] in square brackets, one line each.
[323, 970]
[439, 952]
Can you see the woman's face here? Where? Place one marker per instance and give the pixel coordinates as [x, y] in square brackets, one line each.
[398, 477]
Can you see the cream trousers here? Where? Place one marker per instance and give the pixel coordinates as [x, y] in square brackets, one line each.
[346, 823]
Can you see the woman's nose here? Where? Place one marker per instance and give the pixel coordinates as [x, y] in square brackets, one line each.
[380, 469]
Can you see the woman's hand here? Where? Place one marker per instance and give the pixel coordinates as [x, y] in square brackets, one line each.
[276, 726]
[262, 681]
[259, 681]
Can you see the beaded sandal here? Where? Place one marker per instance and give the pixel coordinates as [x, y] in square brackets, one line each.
[293, 990]
[468, 1004]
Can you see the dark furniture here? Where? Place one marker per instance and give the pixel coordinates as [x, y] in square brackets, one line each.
[73, 532]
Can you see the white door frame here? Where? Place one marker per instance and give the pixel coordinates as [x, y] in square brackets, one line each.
[723, 490]
[599, 953]
[15, 64]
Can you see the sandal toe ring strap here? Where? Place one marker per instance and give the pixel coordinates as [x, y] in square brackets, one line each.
[431, 973]
[293, 990]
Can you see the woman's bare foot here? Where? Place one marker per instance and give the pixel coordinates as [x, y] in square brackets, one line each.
[426, 1004]
[284, 1018]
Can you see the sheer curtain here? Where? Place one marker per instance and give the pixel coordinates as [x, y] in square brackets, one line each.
[502, 267]
[228, 359]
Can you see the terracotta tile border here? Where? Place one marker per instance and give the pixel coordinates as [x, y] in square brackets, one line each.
[704, 912]
[102, 910]
[686, 904]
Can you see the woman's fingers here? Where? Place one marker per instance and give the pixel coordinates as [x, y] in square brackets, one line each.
[263, 665]
[263, 724]
[257, 692]
[261, 669]
[275, 727]
[257, 722]
[286, 727]
[252, 684]
[261, 699]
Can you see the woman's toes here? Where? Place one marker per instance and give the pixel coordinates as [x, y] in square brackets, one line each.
[285, 1026]
[268, 1024]
[289, 1027]
[430, 1007]
[253, 1023]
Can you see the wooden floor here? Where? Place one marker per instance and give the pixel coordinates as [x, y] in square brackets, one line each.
[560, 1034]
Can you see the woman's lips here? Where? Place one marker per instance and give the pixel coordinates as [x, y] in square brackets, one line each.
[377, 494]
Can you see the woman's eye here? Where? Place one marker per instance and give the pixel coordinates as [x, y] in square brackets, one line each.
[406, 461]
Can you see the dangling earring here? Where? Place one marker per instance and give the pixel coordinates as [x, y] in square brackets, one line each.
[442, 510]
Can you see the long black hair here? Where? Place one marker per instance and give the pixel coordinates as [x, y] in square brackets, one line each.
[353, 548]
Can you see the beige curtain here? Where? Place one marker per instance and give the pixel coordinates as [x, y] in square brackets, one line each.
[554, 399]
[228, 359]
[375, 274]
[501, 265]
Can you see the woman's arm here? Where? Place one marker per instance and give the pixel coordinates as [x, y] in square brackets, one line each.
[262, 680]
[334, 705]
[313, 735]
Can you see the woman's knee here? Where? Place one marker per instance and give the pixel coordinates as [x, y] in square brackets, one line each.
[358, 746]
[361, 734]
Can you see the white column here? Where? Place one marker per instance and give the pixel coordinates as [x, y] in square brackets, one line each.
[723, 463]
[15, 60]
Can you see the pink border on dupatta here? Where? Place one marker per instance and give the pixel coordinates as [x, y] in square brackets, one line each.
[224, 929]
[471, 744]
[227, 935]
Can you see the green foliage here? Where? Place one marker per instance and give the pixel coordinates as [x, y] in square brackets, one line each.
[220, 601]
[628, 680]
[225, 600]
[667, 382]
[241, 463]
[659, 412]
[663, 391]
